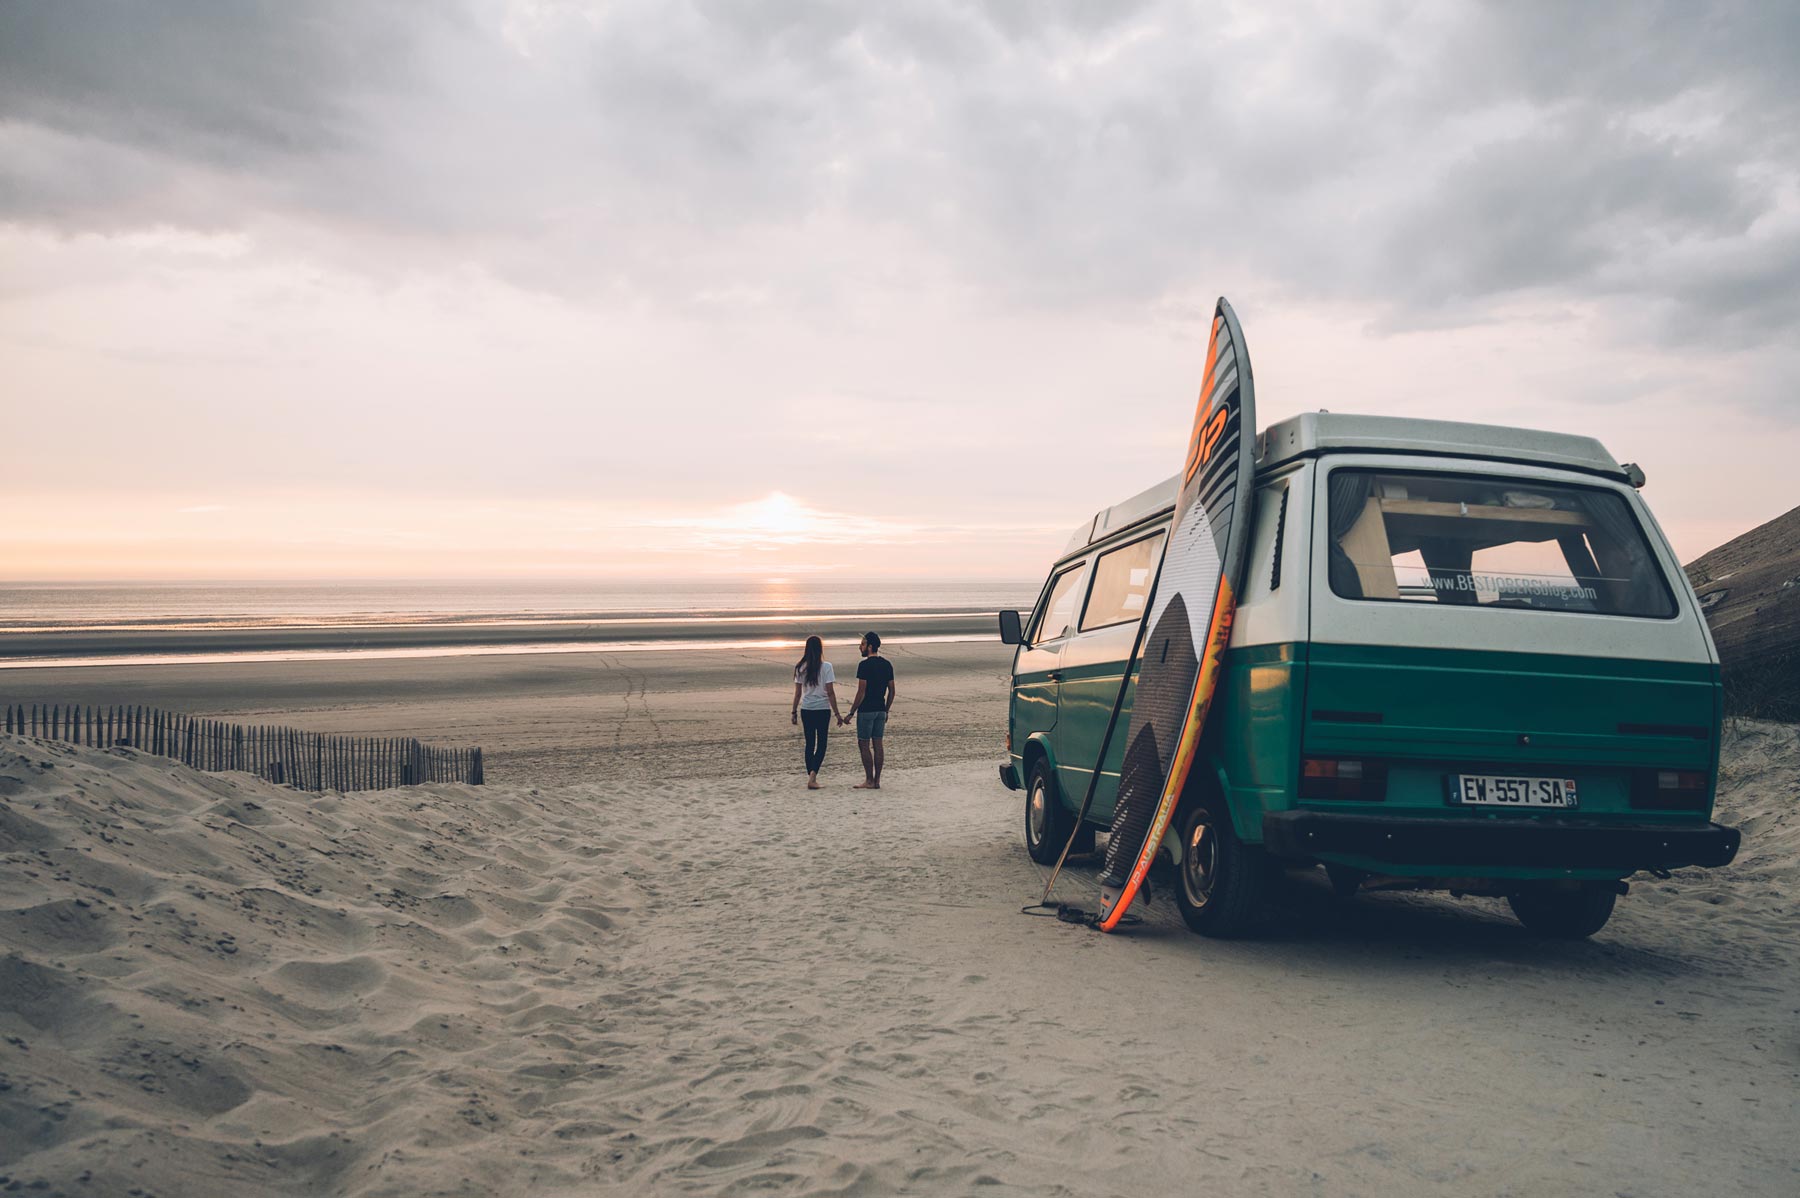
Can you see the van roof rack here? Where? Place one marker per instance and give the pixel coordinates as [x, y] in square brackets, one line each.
[1313, 433]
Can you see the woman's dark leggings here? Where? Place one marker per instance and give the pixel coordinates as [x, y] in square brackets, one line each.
[818, 726]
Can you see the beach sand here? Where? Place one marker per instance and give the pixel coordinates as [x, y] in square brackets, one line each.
[565, 717]
[212, 986]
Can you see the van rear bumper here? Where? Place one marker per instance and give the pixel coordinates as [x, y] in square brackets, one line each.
[1564, 844]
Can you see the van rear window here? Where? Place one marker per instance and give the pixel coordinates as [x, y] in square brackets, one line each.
[1470, 541]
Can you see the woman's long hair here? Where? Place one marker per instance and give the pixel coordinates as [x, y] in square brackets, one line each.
[810, 660]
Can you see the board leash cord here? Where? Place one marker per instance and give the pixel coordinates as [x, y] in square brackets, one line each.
[1070, 913]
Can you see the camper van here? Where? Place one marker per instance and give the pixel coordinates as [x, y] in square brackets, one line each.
[1465, 659]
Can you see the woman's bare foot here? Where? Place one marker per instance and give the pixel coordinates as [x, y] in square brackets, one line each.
[812, 781]
[865, 784]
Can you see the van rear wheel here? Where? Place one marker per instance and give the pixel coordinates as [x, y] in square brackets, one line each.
[1221, 882]
[1047, 821]
[1565, 914]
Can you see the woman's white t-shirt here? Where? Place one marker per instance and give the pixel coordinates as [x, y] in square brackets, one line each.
[812, 698]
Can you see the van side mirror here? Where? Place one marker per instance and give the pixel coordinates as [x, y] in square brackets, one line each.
[1010, 631]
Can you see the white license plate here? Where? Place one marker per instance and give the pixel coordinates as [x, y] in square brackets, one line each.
[1490, 790]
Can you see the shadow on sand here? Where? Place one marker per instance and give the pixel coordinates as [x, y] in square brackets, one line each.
[1309, 927]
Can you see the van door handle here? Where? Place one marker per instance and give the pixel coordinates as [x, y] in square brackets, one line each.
[1056, 675]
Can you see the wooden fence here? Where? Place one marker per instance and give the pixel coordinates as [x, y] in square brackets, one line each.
[303, 760]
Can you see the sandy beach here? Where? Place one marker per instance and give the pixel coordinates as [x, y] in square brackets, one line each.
[565, 717]
[212, 986]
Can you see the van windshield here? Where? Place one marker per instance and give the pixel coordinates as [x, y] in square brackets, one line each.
[1470, 541]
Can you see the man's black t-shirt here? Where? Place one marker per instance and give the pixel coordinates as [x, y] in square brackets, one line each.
[875, 671]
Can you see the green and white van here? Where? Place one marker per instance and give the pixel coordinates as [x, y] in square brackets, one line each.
[1465, 658]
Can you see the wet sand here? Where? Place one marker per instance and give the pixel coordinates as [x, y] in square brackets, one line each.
[593, 716]
[484, 633]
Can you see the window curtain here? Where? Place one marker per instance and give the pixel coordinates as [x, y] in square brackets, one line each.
[1348, 494]
[1620, 549]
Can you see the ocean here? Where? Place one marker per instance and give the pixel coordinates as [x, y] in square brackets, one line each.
[43, 624]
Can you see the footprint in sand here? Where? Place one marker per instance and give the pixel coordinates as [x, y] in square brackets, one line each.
[334, 979]
[756, 1146]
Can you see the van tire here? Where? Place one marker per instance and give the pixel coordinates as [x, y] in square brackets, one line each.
[1047, 821]
[1221, 883]
[1565, 914]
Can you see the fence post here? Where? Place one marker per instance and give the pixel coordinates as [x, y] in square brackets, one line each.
[313, 761]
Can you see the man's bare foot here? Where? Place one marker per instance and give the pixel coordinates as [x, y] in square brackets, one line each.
[865, 784]
[812, 781]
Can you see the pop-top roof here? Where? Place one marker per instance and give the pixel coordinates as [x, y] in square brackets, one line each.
[1327, 432]
[1317, 432]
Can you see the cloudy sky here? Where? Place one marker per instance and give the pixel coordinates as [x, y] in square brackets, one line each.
[674, 286]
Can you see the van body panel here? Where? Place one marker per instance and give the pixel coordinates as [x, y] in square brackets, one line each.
[1254, 746]
[1036, 692]
[1253, 740]
[1508, 708]
[1271, 608]
[1039, 744]
[1037, 686]
[1093, 665]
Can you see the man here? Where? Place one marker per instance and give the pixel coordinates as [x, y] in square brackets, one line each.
[874, 699]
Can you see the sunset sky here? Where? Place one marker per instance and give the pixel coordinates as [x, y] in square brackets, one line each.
[650, 288]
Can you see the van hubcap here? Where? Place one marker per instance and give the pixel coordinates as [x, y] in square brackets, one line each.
[1200, 864]
[1035, 813]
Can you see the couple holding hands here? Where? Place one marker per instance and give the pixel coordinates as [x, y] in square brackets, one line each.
[815, 706]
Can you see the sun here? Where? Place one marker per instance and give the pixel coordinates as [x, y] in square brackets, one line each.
[777, 514]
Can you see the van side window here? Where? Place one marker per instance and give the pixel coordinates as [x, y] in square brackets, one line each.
[1122, 583]
[1059, 607]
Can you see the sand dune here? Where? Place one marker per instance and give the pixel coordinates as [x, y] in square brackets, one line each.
[210, 986]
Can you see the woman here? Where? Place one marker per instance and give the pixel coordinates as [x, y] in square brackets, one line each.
[815, 704]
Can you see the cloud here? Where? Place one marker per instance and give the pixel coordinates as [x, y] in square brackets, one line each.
[915, 262]
[1413, 158]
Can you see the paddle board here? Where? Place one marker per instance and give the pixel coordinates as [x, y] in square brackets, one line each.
[1190, 618]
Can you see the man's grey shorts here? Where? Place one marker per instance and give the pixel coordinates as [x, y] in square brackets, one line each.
[871, 725]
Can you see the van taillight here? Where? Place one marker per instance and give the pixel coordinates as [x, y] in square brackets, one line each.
[1009, 742]
[1354, 779]
[1669, 790]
